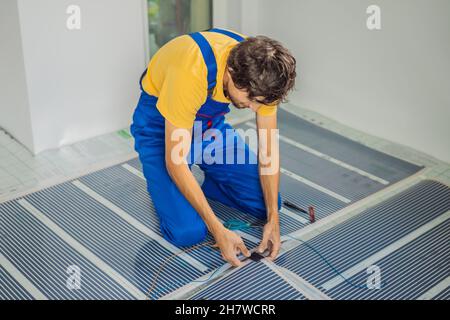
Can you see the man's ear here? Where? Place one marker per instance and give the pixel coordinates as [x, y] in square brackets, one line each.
[228, 72]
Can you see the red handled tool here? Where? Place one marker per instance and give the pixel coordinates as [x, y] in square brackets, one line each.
[312, 215]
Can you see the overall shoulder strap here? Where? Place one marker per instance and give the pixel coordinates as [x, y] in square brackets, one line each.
[208, 54]
[233, 35]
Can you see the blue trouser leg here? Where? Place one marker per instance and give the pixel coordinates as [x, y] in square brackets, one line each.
[180, 224]
[179, 221]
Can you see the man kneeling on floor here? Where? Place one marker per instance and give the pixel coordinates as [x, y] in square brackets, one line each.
[179, 120]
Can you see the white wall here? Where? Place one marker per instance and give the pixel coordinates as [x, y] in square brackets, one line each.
[393, 83]
[80, 83]
[229, 14]
[14, 108]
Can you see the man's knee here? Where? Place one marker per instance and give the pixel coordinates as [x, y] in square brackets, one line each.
[186, 235]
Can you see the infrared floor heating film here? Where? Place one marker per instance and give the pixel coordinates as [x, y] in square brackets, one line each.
[370, 235]
[128, 191]
[105, 222]
[33, 251]
[130, 237]
[347, 183]
[11, 289]
[254, 281]
[443, 295]
[132, 253]
[408, 272]
[337, 146]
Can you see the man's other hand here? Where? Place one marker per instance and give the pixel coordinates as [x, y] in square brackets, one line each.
[271, 239]
[230, 245]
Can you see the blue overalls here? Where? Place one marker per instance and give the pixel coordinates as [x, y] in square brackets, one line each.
[236, 185]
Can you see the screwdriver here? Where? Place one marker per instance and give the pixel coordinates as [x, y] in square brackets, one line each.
[293, 206]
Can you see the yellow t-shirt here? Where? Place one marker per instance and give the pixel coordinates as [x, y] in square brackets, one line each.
[177, 75]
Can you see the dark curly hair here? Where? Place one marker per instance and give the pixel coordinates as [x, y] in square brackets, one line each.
[262, 67]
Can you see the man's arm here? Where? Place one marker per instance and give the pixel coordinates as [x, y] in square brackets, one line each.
[178, 142]
[269, 171]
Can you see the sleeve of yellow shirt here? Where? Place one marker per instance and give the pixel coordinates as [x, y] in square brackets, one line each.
[181, 95]
[266, 110]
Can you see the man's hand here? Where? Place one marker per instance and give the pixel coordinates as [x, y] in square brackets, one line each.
[271, 239]
[230, 245]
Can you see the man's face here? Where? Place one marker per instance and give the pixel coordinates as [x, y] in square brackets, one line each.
[239, 98]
